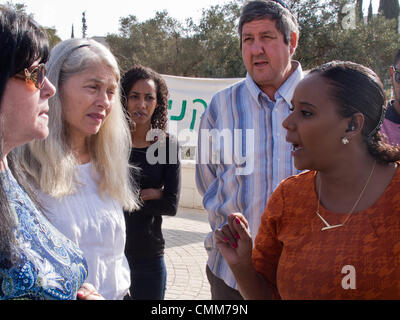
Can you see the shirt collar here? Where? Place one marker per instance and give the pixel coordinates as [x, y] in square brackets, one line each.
[285, 91]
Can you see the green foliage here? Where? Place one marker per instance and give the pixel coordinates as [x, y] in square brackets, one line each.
[50, 32]
[52, 36]
[390, 10]
[323, 38]
[209, 49]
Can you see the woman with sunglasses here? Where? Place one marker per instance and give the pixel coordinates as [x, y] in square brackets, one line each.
[331, 232]
[391, 124]
[82, 168]
[36, 261]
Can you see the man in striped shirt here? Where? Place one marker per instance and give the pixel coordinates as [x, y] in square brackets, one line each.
[242, 151]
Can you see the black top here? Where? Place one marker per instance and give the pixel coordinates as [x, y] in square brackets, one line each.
[144, 238]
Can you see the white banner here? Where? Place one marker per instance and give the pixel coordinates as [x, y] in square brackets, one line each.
[189, 98]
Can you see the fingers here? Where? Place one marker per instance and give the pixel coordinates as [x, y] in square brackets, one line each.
[88, 292]
[233, 231]
[226, 236]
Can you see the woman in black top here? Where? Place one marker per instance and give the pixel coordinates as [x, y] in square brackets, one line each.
[145, 97]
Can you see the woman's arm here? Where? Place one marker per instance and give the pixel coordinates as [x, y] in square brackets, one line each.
[164, 202]
[235, 244]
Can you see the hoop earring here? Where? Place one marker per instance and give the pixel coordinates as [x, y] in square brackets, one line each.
[345, 141]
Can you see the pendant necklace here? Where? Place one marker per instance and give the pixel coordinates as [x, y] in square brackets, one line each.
[328, 226]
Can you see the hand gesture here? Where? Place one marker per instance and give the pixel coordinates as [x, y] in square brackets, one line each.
[234, 241]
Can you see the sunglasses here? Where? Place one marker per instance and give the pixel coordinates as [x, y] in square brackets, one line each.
[37, 75]
[396, 74]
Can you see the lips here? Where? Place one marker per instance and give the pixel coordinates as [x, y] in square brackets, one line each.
[44, 113]
[96, 116]
[139, 114]
[296, 147]
[261, 63]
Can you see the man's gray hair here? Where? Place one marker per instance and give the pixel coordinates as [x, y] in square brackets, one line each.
[286, 23]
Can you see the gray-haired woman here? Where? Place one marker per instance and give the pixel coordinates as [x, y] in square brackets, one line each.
[36, 261]
[82, 168]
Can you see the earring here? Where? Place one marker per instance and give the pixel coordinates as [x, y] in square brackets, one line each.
[345, 141]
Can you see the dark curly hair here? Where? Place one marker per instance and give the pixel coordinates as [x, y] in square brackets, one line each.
[159, 118]
[357, 88]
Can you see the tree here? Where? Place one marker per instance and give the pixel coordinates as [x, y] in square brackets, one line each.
[219, 42]
[359, 11]
[322, 39]
[390, 10]
[211, 47]
[20, 7]
[84, 26]
[370, 14]
[52, 36]
[51, 32]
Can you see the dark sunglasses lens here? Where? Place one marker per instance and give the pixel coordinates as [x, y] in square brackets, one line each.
[41, 76]
[38, 76]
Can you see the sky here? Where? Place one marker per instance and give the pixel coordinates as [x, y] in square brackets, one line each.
[102, 17]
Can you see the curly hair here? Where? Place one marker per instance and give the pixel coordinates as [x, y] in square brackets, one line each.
[136, 73]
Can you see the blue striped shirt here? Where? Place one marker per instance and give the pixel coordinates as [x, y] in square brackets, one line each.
[260, 139]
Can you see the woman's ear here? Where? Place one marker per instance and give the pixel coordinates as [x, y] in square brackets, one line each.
[356, 125]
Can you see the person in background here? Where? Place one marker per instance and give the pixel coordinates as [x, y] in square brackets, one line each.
[145, 98]
[331, 232]
[37, 262]
[391, 125]
[269, 36]
[81, 170]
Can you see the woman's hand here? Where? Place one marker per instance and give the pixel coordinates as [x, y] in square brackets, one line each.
[151, 194]
[88, 292]
[234, 241]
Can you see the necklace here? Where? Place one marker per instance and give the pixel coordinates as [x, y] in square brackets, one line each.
[328, 226]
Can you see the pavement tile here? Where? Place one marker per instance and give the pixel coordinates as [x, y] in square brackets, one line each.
[185, 255]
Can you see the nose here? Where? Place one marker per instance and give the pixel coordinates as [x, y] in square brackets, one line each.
[257, 48]
[48, 89]
[104, 100]
[288, 123]
[142, 103]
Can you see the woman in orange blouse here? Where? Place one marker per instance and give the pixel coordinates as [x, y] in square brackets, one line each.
[332, 232]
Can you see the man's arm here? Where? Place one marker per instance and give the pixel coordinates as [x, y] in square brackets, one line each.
[205, 169]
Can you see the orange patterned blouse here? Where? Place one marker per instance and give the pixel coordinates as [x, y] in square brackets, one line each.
[360, 260]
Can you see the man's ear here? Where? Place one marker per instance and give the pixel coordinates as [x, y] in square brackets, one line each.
[293, 41]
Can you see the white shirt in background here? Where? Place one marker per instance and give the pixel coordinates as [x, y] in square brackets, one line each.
[97, 226]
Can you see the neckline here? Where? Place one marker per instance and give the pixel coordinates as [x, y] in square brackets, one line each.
[325, 211]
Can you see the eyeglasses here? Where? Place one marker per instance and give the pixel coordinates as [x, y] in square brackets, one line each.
[37, 75]
[396, 74]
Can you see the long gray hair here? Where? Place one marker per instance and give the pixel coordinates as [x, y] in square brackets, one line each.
[51, 163]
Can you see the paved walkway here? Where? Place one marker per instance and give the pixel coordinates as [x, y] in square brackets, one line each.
[185, 255]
